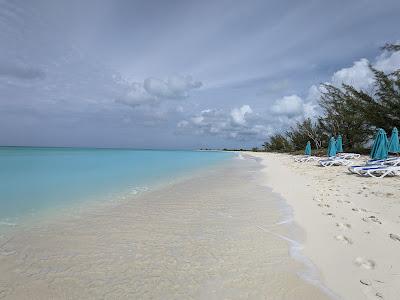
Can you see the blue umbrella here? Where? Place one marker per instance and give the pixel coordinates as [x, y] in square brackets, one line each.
[380, 148]
[339, 144]
[394, 146]
[307, 151]
[332, 147]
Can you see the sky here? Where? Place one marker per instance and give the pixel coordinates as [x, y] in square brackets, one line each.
[180, 74]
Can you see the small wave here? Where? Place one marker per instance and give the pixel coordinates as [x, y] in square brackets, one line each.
[310, 274]
[136, 190]
[240, 156]
[289, 220]
[7, 223]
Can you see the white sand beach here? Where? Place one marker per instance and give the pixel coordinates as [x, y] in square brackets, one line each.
[352, 224]
[220, 234]
[260, 227]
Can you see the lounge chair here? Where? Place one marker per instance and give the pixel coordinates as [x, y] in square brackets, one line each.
[389, 162]
[349, 155]
[380, 171]
[335, 161]
[306, 158]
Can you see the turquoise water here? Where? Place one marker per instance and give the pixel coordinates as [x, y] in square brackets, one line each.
[33, 179]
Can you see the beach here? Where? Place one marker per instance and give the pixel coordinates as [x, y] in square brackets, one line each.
[258, 226]
[351, 224]
[220, 233]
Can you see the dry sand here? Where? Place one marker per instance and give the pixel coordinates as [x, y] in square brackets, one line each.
[218, 235]
[352, 224]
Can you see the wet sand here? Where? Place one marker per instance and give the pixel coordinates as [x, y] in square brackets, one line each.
[220, 234]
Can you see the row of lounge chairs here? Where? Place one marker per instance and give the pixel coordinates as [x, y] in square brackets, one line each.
[378, 168]
[373, 168]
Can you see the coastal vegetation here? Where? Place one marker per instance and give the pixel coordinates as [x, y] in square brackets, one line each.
[353, 113]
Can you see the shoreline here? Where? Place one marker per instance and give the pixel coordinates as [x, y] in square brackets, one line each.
[310, 273]
[351, 224]
[200, 238]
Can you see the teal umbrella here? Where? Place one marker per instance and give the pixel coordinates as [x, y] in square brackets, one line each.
[380, 148]
[339, 144]
[307, 151]
[394, 146]
[332, 147]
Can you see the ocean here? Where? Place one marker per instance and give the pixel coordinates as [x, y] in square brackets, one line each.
[33, 180]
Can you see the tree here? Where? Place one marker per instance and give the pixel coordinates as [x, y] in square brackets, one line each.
[384, 109]
[279, 143]
[304, 131]
[342, 115]
[391, 47]
[353, 113]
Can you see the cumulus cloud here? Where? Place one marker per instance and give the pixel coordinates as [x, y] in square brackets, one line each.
[288, 105]
[358, 75]
[240, 123]
[287, 110]
[388, 62]
[154, 90]
[135, 95]
[238, 114]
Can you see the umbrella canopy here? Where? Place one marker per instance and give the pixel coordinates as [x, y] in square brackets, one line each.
[380, 148]
[339, 144]
[332, 147]
[394, 146]
[307, 151]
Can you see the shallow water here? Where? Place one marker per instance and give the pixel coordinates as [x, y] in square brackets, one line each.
[35, 179]
[218, 234]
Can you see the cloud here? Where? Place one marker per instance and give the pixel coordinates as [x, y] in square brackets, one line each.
[289, 106]
[238, 114]
[135, 95]
[20, 71]
[154, 90]
[240, 123]
[388, 62]
[358, 75]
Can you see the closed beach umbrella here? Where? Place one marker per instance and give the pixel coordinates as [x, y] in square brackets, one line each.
[394, 146]
[307, 151]
[339, 144]
[332, 147]
[380, 148]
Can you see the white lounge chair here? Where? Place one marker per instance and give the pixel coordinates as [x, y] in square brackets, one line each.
[306, 158]
[348, 155]
[335, 161]
[380, 171]
[392, 161]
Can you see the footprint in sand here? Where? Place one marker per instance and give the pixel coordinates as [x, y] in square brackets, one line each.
[329, 214]
[343, 225]
[343, 238]
[394, 237]
[365, 282]
[372, 219]
[344, 201]
[369, 290]
[359, 209]
[364, 263]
